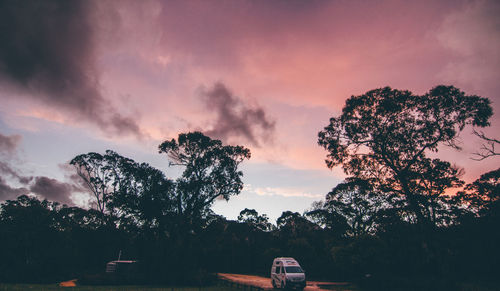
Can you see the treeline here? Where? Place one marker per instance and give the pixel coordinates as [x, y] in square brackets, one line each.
[43, 241]
[390, 224]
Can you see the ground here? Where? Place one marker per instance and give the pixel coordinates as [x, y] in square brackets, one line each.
[56, 287]
[265, 283]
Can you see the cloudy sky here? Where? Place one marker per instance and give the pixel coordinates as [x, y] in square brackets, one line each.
[81, 76]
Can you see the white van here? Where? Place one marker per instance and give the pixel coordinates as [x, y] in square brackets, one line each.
[287, 273]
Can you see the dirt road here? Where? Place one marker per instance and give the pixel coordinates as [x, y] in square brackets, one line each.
[265, 283]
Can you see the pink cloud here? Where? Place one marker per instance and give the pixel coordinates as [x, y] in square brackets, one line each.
[314, 53]
[290, 57]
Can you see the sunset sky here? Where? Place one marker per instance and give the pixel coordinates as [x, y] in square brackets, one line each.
[82, 76]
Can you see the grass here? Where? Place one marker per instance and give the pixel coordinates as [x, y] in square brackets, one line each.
[56, 287]
[478, 287]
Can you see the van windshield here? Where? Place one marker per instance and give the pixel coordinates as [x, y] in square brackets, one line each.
[293, 270]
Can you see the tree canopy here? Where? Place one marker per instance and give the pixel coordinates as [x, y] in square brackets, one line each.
[210, 171]
[124, 188]
[386, 134]
[357, 203]
[483, 195]
[252, 217]
[138, 194]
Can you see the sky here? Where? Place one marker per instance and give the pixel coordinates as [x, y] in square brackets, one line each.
[86, 76]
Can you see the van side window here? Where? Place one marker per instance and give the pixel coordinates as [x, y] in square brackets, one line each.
[277, 270]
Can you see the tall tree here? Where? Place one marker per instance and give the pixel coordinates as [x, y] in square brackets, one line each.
[210, 171]
[100, 173]
[133, 192]
[385, 136]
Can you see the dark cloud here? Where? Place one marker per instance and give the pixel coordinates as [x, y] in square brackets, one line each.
[7, 192]
[52, 189]
[7, 170]
[47, 51]
[77, 183]
[8, 151]
[8, 148]
[9, 143]
[48, 188]
[236, 118]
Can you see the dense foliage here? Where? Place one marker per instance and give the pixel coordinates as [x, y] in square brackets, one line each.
[386, 135]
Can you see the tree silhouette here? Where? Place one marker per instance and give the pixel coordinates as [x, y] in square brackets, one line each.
[210, 172]
[71, 218]
[294, 224]
[331, 221]
[135, 193]
[252, 217]
[357, 203]
[483, 195]
[28, 235]
[144, 196]
[100, 174]
[385, 135]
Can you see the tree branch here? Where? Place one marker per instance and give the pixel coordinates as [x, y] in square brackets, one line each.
[487, 150]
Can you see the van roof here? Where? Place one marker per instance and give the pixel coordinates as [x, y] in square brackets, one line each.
[122, 262]
[287, 261]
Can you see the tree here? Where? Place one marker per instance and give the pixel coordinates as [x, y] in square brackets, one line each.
[101, 175]
[295, 224]
[329, 220]
[483, 195]
[357, 203]
[144, 196]
[29, 239]
[70, 218]
[288, 218]
[385, 135]
[135, 193]
[252, 217]
[210, 172]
